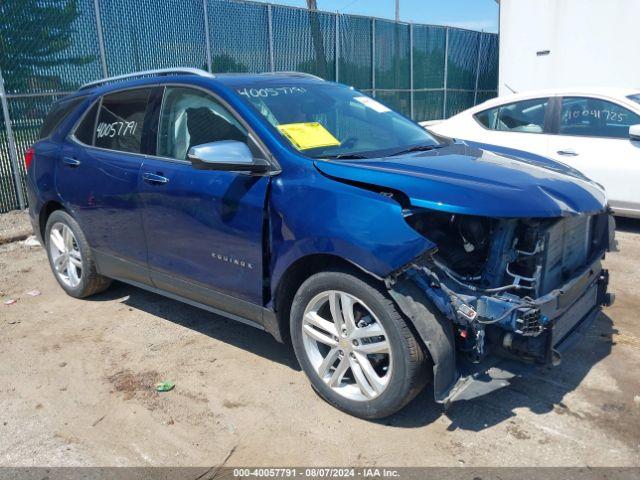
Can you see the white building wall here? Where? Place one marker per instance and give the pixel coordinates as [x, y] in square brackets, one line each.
[591, 43]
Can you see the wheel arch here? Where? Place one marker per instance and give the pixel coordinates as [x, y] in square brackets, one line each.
[45, 212]
[295, 275]
[433, 333]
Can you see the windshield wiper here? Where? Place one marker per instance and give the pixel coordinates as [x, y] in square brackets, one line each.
[344, 156]
[418, 148]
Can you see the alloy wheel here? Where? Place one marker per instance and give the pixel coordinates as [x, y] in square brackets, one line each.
[347, 345]
[65, 254]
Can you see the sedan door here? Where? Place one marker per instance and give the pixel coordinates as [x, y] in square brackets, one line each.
[204, 228]
[593, 137]
[523, 125]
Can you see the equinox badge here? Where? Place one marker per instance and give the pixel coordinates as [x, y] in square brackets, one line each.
[234, 261]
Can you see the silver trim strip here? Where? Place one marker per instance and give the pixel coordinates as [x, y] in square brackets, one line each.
[294, 74]
[148, 73]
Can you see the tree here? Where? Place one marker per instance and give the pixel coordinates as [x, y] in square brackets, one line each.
[226, 63]
[36, 35]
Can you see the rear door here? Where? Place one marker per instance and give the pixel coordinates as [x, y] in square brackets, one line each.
[98, 179]
[48, 149]
[593, 137]
[204, 228]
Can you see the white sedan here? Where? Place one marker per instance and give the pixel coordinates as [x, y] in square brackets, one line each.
[596, 131]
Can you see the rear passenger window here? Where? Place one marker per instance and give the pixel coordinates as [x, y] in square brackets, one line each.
[120, 120]
[57, 114]
[84, 131]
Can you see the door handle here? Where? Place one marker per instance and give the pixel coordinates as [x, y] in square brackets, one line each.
[154, 178]
[70, 162]
[568, 153]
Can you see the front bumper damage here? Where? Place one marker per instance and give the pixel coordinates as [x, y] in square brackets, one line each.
[480, 340]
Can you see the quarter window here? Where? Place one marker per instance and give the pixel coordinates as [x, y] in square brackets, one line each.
[526, 116]
[120, 120]
[592, 117]
[190, 118]
[58, 113]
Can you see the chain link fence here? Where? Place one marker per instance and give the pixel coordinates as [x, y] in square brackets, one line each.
[48, 48]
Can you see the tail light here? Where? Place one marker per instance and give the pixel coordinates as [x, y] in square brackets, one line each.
[28, 157]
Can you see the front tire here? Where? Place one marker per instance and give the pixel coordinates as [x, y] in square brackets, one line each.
[355, 347]
[70, 257]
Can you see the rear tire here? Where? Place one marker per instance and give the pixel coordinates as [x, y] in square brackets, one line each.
[371, 369]
[70, 257]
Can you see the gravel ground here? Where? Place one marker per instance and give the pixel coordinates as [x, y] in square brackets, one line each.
[77, 377]
[14, 226]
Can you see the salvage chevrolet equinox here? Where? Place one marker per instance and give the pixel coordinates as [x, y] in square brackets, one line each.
[388, 258]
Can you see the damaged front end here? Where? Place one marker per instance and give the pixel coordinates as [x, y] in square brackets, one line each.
[500, 289]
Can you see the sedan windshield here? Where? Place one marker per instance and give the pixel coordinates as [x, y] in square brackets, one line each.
[327, 120]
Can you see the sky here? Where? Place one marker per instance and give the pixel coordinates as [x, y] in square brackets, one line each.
[471, 14]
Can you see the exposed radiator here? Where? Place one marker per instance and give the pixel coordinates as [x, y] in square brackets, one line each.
[567, 246]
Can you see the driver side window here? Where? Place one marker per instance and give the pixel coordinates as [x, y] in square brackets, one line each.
[190, 117]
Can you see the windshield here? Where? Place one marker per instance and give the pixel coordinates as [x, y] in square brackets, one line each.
[328, 120]
[635, 97]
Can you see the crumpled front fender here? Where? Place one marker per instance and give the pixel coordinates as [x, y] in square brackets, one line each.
[311, 214]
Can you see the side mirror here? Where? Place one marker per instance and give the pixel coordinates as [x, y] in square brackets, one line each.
[634, 132]
[227, 155]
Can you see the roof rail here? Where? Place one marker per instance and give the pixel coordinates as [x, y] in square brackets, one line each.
[148, 73]
[295, 74]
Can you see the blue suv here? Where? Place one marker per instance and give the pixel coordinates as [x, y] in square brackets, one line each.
[388, 257]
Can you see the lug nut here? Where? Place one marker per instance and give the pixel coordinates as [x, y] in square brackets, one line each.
[352, 355]
[355, 343]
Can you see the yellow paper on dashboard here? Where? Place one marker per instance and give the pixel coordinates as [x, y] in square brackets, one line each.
[308, 135]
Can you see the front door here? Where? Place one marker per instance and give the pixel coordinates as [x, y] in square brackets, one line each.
[593, 137]
[204, 228]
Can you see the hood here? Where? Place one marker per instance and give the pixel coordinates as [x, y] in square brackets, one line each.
[459, 178]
